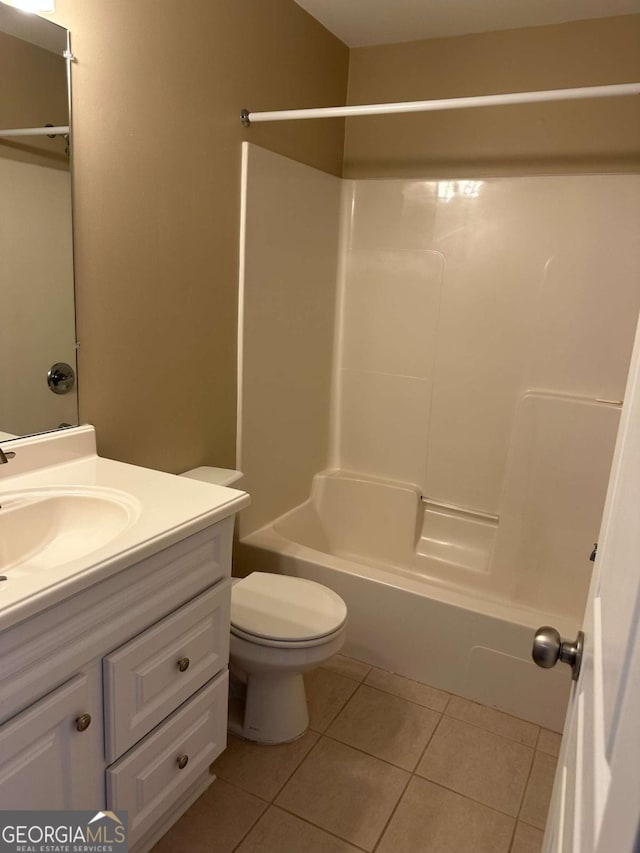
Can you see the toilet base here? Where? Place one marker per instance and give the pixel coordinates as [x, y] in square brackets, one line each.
[268, 710]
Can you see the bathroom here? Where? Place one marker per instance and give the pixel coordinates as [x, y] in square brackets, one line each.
[157, 159]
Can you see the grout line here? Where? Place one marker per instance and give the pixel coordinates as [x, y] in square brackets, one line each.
[266, 803]
[253, 825]
[317, 826]
[410, 701]
[555, 759]
[244, 790]
[490, 731]
[411, 775]
[287, 780]
[497, 711]
[296, 768]
[466, 797]
[340, 709]
[369, 754]
[544, 751]
[342, 674]
[422, 754]
[538, 738]
[393, 812]
[530, 825]
[445, 710]
[346, 675]
[526, 786]
[338, 671]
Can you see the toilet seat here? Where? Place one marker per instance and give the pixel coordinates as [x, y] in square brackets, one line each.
[285, 612]
[284, 644]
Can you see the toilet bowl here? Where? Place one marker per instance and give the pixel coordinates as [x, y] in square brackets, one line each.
[281, 627]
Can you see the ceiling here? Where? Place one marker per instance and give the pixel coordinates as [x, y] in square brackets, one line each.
[32, 28]
[367, 22]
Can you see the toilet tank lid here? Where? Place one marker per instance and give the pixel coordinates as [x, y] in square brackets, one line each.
[215, 476]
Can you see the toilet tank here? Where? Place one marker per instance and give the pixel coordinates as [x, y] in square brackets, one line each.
[215, 476]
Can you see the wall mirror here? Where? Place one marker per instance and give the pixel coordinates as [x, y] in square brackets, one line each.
[37, 316]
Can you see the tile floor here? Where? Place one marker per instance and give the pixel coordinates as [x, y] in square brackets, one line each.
[387, 765]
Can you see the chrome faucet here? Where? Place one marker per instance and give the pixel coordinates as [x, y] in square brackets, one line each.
[5, 456]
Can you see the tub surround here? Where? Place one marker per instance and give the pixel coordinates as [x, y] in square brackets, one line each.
[289, 233]
[460, 299]
[478, 364]
[114, 662]
[478, 368]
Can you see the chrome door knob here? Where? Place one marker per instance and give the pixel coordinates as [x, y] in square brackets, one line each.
[549, 648]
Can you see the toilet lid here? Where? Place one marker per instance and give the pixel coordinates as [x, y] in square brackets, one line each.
[279, 607]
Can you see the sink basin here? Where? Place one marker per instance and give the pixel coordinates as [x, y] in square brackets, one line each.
[44, 528]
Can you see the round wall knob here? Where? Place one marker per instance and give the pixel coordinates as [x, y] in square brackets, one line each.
[183, 760]
[183, 664]
[83, 722]
[61, 377]
[549, 648]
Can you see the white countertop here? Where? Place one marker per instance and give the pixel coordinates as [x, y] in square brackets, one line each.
[164, 509]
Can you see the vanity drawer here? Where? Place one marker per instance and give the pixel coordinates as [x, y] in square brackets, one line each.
[149, 779]
[148, 677]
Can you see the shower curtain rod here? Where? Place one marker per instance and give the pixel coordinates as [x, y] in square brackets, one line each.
[616, 90]
[35, 131]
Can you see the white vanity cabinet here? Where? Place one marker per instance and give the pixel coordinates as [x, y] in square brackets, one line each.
[144, 654]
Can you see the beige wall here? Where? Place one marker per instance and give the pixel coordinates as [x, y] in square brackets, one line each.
[569, 137]
[158, 87]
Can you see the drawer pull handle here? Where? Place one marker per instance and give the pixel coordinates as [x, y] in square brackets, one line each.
[183, 664]
[83, 722]
[183, 760]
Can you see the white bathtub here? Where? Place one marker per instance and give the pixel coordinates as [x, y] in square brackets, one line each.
[412, 610]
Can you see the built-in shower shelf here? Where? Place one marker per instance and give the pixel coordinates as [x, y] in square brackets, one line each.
[457, 535]
[441, 506]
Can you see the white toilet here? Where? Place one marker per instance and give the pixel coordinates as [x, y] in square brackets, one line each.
[281, 627]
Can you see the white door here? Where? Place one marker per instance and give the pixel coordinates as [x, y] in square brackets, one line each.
[595, 807]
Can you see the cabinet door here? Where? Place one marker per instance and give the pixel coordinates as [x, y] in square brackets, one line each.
[46, 761]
